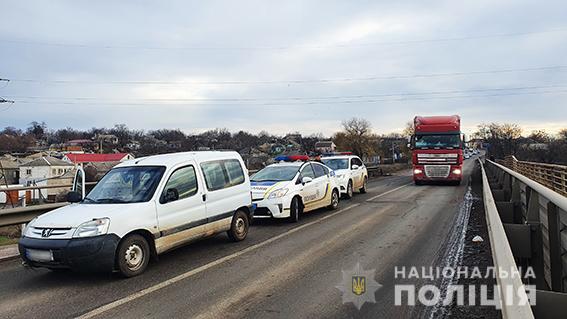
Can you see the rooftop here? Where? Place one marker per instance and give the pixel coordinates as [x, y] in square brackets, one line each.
[46, 161]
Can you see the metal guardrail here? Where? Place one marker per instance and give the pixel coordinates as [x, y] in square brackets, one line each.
[503, 258]
[534, 218]
[550, 175]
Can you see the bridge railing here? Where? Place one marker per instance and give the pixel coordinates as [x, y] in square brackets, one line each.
[550, 175]
[534, 218]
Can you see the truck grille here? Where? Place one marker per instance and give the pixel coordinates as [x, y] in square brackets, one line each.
[437, 171]
[451, 158]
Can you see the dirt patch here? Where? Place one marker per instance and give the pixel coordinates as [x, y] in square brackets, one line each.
[476, 254]
[11, 232]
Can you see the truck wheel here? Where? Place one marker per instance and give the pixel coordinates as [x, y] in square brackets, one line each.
[364, 186]
[295, 210]
[349, 190]
[239, 226]
[133, 255]
[334, 200]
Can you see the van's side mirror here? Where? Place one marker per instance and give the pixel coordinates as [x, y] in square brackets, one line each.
[171, 195]
[74, 197]
[354, 166]
[306, 180]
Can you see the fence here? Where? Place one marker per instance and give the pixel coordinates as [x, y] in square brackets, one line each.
[550, 175]
[534, 218]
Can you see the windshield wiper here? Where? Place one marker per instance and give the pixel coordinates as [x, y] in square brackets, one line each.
[89, 199]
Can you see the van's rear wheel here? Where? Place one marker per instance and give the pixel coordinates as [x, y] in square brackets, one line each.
[239, 226]
[133, 255]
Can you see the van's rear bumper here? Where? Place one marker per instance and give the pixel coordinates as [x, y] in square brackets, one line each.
[88, 254]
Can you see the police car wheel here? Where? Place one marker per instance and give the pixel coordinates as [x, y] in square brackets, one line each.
[133, 256]
[295, 210]
[239, 226]
[334, 200]
[349, 190]
[364, 186]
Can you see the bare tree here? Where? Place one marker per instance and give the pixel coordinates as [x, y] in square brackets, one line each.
[357, 137]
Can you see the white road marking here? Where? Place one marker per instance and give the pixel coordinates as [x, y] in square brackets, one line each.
[102, 309]
[388, 192]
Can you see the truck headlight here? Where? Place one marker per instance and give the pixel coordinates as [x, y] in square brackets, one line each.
[417, 171]
[92, 228]
[457, 171]
[278, 193]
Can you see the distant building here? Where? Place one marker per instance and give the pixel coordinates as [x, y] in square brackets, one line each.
[46, 171]
[9, 170]
[80, 159]
[325, 147]
[107, 139]
[296, 137]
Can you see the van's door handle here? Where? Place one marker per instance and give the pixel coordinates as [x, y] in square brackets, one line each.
[204, 197]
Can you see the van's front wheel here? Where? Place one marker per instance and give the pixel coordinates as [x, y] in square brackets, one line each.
[239, 226]
[133, 255]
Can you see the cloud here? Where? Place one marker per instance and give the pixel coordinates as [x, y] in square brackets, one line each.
[291, 40]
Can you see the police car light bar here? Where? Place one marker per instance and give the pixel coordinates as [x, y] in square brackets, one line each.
[291, 158]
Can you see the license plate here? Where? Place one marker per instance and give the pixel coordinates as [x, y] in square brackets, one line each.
[39, 255]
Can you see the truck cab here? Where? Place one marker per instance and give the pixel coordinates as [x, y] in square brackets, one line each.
[437, 149]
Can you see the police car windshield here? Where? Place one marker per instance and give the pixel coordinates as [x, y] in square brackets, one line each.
[336, 163]
[126, 185]
[275, 173]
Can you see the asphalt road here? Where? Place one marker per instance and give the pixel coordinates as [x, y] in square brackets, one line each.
[281, 270]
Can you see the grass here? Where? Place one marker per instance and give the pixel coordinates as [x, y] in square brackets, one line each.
[7, 241]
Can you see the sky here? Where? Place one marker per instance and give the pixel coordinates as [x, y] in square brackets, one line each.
[282, 66]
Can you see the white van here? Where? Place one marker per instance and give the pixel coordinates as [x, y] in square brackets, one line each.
[140, 209]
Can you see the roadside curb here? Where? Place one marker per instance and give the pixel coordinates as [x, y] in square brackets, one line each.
[9, 252]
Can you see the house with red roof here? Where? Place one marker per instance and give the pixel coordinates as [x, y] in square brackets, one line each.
[79, 159]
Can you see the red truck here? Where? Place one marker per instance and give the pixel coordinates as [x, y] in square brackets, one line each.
[437, 149]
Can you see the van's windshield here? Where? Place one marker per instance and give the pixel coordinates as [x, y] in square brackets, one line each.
[126, 185]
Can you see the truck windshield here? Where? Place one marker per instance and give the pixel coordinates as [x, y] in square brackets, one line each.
[336, 163]
[275, 173]
[432, 141]
[126, 185]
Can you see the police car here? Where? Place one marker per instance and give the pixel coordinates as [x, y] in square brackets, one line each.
[350, 171]
[293, 186]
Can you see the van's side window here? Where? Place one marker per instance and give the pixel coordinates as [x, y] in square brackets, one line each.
[184, 181]
[222, 174]
[234, 171]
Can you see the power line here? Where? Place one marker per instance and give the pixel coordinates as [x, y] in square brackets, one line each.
[392, 97]
[299, 81]
[279, 48]
[291, 98]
